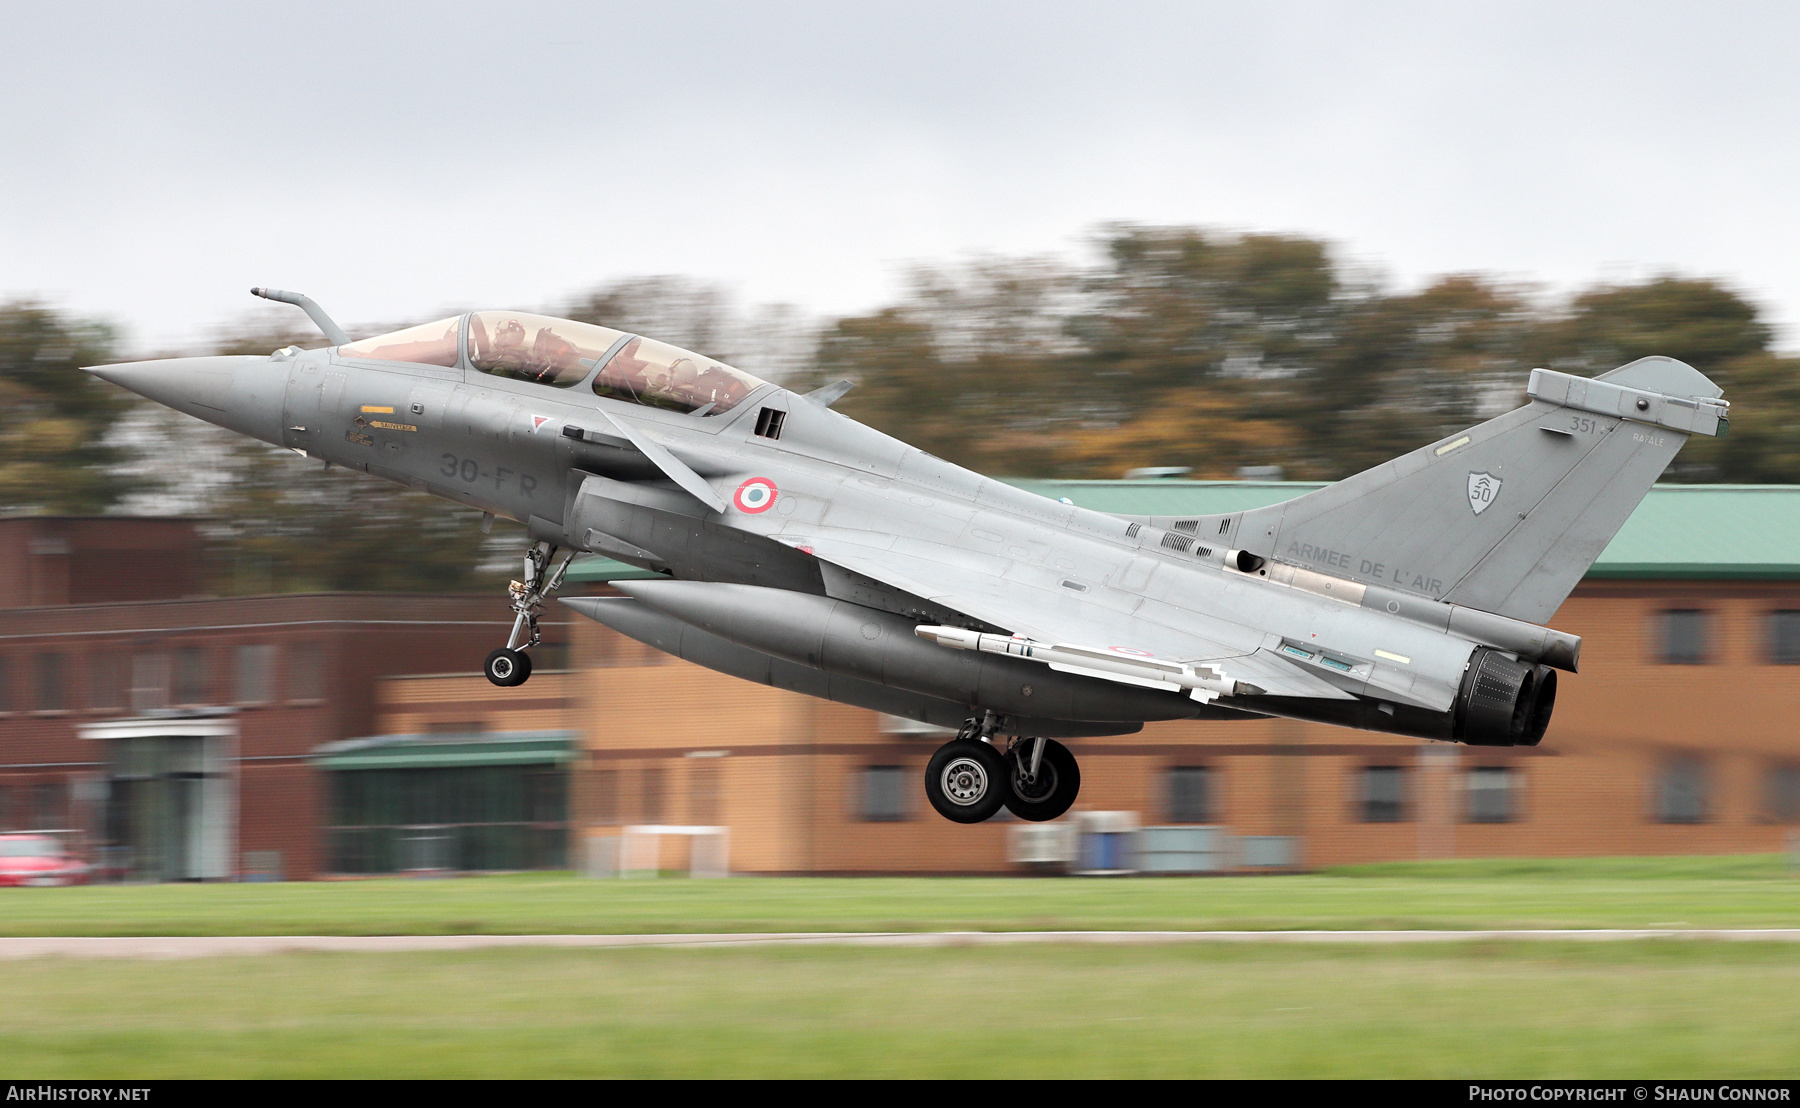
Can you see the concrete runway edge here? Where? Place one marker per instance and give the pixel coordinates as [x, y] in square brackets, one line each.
[203, 946]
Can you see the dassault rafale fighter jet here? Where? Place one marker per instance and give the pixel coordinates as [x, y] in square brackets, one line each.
[803, 550]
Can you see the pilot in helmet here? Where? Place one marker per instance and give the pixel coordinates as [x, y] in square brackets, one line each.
[509, 345]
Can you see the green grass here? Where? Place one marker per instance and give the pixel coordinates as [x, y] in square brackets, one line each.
[1738, 891]
[1663, 1008]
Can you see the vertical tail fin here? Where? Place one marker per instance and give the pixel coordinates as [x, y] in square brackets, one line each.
[1507, 516]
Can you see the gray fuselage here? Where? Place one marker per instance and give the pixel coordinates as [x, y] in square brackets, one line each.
[574, 467]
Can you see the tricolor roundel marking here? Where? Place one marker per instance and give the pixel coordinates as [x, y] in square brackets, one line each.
[755, 496]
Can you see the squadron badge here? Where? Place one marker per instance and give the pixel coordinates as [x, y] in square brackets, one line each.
[1484, 489]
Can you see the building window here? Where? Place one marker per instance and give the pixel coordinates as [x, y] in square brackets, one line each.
[6, 703]
[1681, 788]
[547, 796]
[451, 817]
[1783, 799]
[47, 806]
[149, 681]
[190, 675]
[50, 693]
[605, 784]
[1683, 636]
[1493, 794]
[884, 793]
[254, 674]
[652, 808]
[1190, 794]
[703, 791]
[106, 680]
[1383, 794]
[1784, 638]
[306, 671]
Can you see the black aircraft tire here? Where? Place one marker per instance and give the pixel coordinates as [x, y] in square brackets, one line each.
[507, 668]
[965, 781]
[1057, 786]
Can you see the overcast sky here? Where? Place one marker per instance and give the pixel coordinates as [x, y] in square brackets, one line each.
[396, 160]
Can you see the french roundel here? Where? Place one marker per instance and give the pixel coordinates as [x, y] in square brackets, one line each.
[755, 495]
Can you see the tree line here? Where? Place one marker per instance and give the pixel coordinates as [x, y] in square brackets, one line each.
[1179, 346]
[1215, 351]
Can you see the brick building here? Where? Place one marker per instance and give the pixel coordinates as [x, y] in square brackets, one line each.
[169, 734]
[55, 560]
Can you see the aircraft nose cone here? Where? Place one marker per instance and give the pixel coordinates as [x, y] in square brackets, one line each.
[175, 382]
[198, 386]
[241, 392]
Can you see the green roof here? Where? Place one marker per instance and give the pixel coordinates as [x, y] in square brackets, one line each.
[1718, 531]
[1730, 532]
[496, 748]
[1691, 531]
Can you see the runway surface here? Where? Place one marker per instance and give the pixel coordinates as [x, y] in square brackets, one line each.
[204, 946]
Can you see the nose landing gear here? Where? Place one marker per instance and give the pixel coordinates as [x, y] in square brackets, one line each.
[511, 665]
[968, 781]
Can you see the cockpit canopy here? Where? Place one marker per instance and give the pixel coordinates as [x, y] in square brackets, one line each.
[554, 352]
[562, 353]
[426, 344]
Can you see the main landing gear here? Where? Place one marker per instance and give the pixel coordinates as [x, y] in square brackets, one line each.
[968, 780]
[511, 665]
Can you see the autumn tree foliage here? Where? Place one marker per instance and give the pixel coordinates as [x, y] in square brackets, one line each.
[54, 453]
[1214, 351]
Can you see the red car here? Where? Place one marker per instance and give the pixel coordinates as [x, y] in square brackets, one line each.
[38, 860]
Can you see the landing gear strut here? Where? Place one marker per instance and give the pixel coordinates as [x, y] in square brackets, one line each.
[511, 665]
[968, 780]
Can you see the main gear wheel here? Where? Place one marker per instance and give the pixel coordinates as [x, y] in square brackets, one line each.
[965, 781]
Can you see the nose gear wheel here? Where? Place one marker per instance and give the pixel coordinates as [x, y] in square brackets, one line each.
[507, 668]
